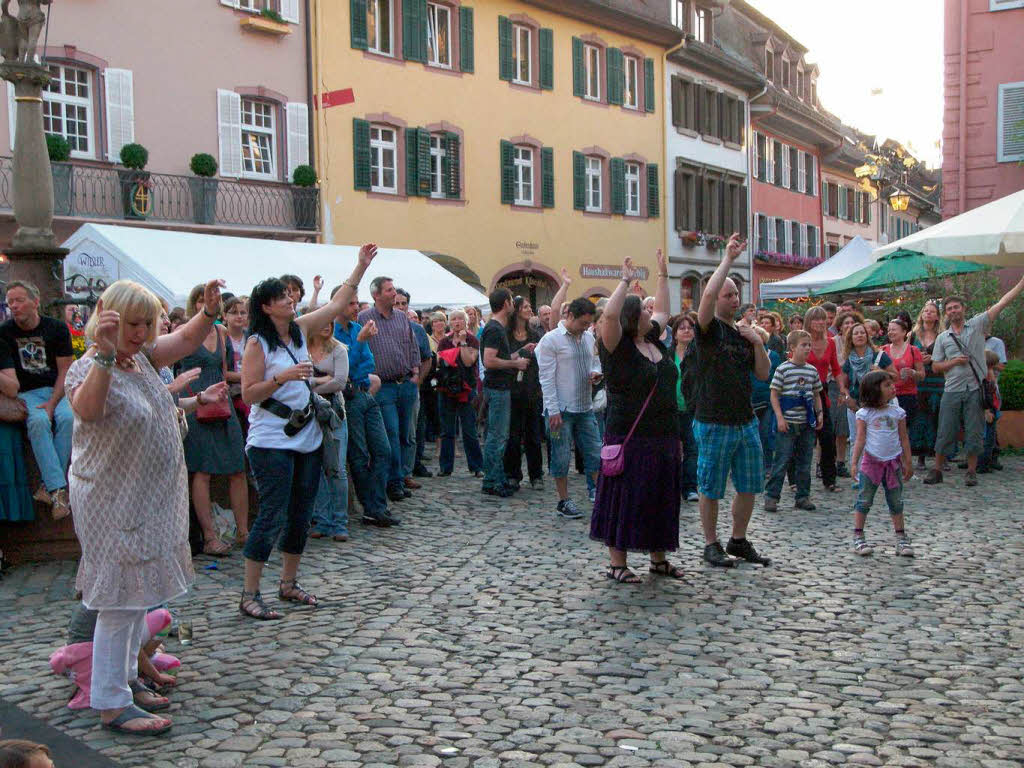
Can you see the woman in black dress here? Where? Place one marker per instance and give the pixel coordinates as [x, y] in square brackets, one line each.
[638, 510]
[525, 424]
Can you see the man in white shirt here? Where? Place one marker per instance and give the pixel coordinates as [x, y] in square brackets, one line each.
[569, 366]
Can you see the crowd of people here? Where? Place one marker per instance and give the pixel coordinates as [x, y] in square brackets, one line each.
[296, 400]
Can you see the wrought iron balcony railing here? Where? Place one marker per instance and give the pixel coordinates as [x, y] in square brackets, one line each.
[116, 193]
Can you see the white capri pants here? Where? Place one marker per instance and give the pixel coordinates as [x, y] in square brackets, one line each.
[115, 655]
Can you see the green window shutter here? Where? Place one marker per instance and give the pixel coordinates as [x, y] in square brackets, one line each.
[414, 30]
[546, 39]
[578, 182]
[357, 23]
[867, 208]
[618, 179]
[423, 158]
[649, 85]
[744, 224]
[452, 168]
[547, 173]
[412, 161]
[678, 108]
[466, 39]
[361, 153]
[508, 173]
[578, 74]
[505, 63]
[653, 193]
[614, 74]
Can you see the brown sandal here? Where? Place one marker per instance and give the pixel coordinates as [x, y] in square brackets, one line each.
[295, 593]
[252, 605]
[623, 575]
[216, 548]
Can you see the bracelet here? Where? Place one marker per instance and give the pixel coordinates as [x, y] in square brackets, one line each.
[274, 379]
[213, 316]
[199, 399]
[104, 362]
[353, 287]
[663, 274]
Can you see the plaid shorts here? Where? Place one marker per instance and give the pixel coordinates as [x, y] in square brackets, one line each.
[728, 447]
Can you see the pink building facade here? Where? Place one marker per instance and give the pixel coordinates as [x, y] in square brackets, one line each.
[983, 129]
[218, 78]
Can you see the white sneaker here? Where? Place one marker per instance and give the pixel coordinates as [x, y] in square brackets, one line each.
[693, 496]
[861, 546]
[903, 548]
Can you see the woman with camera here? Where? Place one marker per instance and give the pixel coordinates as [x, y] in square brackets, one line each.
[284, 443]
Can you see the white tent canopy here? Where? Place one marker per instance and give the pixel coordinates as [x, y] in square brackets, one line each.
[989, 234]
[172, 263]
[855, 255]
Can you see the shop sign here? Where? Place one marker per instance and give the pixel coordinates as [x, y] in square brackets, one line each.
[610, 271]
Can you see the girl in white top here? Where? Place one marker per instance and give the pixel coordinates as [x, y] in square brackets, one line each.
[287, 467]
[881, 453]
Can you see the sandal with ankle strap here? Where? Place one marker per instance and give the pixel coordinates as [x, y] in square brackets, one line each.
[296, 594]
[623, 575]
[664, 568]
[252, 605]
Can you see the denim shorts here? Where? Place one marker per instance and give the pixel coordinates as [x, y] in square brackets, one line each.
[725, 448]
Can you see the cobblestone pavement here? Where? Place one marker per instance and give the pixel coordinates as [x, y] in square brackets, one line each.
[483, 633]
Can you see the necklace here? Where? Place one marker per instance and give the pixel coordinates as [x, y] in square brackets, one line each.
[126, 364]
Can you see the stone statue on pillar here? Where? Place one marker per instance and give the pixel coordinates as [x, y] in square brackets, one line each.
[34, 253]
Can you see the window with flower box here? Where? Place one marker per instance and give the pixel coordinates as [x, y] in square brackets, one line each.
[709, 200]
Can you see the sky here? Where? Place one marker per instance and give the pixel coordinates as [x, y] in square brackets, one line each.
[892, 45]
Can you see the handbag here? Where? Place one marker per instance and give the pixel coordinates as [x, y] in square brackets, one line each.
[210, 413]
[988, 402]
[12, 410]
[613, 457]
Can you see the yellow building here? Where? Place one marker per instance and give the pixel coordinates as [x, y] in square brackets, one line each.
[514, 137]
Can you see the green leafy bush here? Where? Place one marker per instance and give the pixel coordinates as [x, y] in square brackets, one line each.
[1011, 386]
[304, 176]
[58, 148]
[267, 13]
[134, 156]
[203, 164]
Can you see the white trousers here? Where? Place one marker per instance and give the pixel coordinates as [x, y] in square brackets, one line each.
[115, 656]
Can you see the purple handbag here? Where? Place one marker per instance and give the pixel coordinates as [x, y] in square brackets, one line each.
[613, 457]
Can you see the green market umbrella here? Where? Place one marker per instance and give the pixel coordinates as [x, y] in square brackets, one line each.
[897, 268]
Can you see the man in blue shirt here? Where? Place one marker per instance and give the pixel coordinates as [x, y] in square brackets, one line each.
[369, 451]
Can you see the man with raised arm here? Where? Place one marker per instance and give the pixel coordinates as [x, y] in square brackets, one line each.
[725, 427]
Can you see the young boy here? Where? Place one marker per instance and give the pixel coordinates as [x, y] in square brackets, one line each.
[796, 401]
[987, 462]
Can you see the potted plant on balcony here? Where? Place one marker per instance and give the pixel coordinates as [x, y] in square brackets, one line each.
[60, 152]
[203, 188]
[136, 197]
[304, 197]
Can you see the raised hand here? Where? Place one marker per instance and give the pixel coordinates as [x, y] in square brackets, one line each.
[566, 280]
[662, 262]
[318, 283]
[627, 269]
[183, 379]
[637, 289]
[367, 254]
[211, 296]
[736, 245]
[107, 329]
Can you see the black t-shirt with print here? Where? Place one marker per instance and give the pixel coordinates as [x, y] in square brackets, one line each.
[494, 336]
[35, 352]
[724, 361]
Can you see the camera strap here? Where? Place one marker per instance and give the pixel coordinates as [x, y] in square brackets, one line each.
[278, 408]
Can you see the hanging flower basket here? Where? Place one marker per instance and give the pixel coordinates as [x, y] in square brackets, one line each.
[787, 259]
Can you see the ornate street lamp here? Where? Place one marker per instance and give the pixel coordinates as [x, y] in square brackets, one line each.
[899, 200]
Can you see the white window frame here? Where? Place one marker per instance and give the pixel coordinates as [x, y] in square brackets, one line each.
[250, 5]
[1004, 5]
[593, 186]
[518, 31]
[773, 246]
[374, 45]
[271, 133]
[66, 101]
[678, 13]
[700, 16]
[801, 179]
[814, 175]
[523, 163]
[631, 65]
[437, 155]
[434, 11]
[632, 184]
[785, 166]
[756, 156]
[1001, 154]
[378, 146]
[591, 70]
[769, 164]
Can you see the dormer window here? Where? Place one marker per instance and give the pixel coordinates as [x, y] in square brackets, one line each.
[800, 83]
[786, 73]
[701, 24]
[769, 64]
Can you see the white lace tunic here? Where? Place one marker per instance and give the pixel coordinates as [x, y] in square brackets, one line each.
[129, 493]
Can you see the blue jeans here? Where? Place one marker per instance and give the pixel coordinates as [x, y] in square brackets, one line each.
[688, 468]
[989, 446]
[409, 451]
[866, 496]
[330, 510]
[287, 483]
[767, 428]
[499, 416]
[397, 401]
[369, 452]
[579, 429]
[796, 443]
[51, 442]
[459, 414]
